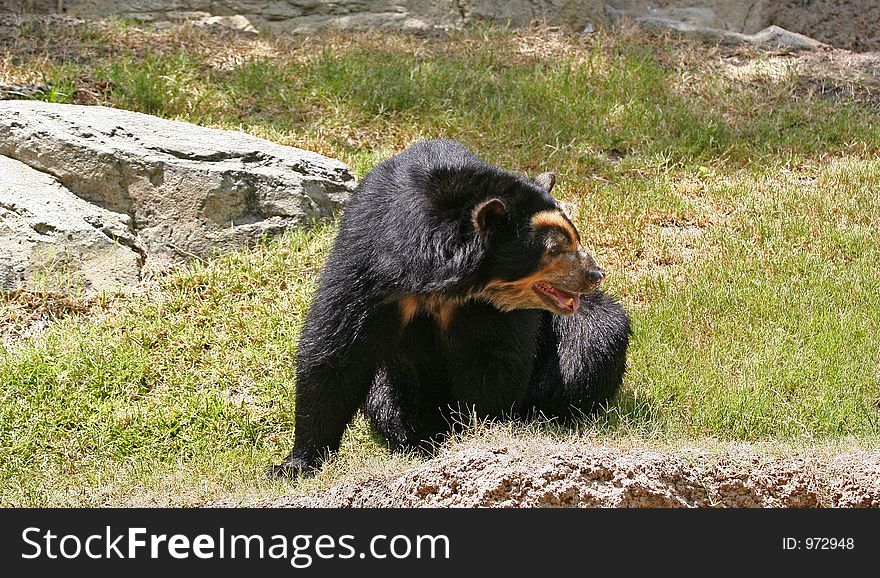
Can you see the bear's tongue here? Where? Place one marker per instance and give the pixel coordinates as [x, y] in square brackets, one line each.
[564, 299]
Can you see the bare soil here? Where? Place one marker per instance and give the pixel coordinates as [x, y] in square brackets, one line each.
[739, 476]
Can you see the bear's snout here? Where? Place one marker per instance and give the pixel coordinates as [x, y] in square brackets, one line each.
[592, 277]
[591, 273]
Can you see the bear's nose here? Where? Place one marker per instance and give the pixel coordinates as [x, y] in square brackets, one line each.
[595, 276]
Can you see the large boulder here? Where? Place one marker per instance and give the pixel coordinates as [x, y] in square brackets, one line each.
[52, 239]
[162, 191]
[745, 16]
[770, 38]
[850, 24]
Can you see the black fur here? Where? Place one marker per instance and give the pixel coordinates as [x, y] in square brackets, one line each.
[410, 230]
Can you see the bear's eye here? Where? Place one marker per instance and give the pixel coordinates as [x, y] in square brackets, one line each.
[555, 250]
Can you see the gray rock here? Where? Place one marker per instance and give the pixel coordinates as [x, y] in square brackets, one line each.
[51, 239]
[234, 22]
[745, 16]
[314, 16]
[204, 19]
[771, 38]
[775, 37]
[185, 191]
[850, 24]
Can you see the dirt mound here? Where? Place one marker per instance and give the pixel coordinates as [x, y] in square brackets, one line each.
[614, 477]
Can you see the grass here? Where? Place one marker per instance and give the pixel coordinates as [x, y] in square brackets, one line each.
[738, 218]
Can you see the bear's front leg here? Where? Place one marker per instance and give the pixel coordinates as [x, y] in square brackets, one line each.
[491, 358]
[326, 400]
[337, 359]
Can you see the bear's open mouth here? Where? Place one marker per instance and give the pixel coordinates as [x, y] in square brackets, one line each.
[565, 300]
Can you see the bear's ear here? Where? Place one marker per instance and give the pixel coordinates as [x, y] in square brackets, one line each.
[486, 214]
[546, 181]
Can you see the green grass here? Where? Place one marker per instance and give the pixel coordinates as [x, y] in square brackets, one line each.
[739, 222]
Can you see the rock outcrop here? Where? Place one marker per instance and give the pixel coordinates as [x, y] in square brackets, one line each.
[51, 238]
[742, 16]
[850, 24]
[770, 38]
[108, 196]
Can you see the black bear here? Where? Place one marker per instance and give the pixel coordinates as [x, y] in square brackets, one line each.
[452, 286]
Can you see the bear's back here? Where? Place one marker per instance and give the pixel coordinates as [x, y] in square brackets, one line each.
[440, 179]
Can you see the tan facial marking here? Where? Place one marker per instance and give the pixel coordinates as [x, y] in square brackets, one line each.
[520, 294]
[559, 221]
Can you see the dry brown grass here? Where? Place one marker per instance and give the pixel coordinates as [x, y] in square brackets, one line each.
[24, 313]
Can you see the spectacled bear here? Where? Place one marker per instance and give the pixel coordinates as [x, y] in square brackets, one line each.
[452, 285]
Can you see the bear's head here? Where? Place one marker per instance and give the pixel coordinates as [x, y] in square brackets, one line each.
[533, 253]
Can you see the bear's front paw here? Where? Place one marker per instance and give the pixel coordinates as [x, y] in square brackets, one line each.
[293, 467]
